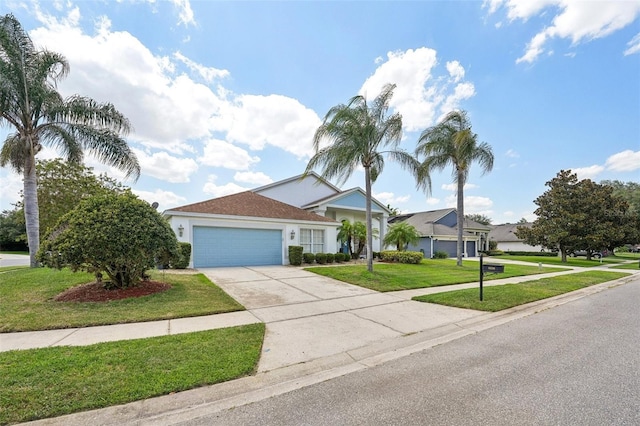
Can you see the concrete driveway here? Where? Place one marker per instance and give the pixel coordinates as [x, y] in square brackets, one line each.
[309, 316]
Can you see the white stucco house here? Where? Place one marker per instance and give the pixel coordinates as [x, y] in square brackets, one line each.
[256, 227]
[505, 236]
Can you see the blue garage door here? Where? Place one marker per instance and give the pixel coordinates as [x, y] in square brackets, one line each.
[236, 247]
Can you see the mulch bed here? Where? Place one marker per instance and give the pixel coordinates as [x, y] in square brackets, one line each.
[95, 292]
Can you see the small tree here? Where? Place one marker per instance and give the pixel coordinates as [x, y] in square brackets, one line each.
[401, 234]
[119, 235]
[61, 187]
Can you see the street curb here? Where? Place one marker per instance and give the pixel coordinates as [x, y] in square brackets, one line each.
[195, 403]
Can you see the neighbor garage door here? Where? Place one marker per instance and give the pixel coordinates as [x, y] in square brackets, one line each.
[236, 247]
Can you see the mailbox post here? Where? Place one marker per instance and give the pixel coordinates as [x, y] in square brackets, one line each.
[487, 268]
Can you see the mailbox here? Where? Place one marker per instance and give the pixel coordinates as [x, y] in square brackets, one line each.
[492, 269]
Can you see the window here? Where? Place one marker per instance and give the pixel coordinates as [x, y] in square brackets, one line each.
[312, 240]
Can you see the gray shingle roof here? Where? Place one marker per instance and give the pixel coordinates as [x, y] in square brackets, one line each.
[506, 232]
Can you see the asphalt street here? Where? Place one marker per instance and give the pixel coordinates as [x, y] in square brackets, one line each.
[575, 364]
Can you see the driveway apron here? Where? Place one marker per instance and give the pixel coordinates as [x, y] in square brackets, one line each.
[308, 316]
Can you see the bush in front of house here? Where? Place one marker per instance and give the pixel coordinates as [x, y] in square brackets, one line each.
[184, 256]
[413, 257]
[330, 257]
[308, 257]
[116, 234]
[295, 255]
[439, 254]
[321, 258]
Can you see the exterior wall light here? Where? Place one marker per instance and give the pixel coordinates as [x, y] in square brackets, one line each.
[293, 234]
[180, 230]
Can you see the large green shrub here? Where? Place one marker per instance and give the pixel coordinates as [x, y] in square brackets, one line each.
[414, 257]
[330, 257]
[184, 256]
[116, 234]
[308, 257]
[295, 255]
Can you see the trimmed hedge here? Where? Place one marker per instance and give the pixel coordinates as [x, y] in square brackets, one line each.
[413, 257]
[295, 255]
[330, 257]
[308, 257]
[184, 256]
[321, 258]
[439, 254]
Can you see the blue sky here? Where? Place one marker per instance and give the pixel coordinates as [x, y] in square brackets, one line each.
[226, 96]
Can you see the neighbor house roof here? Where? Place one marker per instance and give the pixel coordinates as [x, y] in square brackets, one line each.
[421, 217]
[250, 204]
[343, 194]
[426, 223]
[506, 232]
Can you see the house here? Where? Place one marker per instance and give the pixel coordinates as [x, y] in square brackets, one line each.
[256, 227]
[505, 236]
[439, 232]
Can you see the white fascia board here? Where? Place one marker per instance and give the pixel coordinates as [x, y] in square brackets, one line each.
[251, 219]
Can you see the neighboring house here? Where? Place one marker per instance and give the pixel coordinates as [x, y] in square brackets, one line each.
[505, 236]
[439, 232]
[256, 227]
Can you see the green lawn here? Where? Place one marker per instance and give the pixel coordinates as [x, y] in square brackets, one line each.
[50, 382]
[497, 298]
[633, 265]
[27, 301]
[571, 261]
[429, 273]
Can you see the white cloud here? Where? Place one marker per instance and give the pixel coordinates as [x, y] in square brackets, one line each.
[588, 172]
[454, 186]
[433, 201]
[218, 153]
[456, 71]
[625, 161]
[256, 178]
[391, 198]
[512, 154]
[472, 204]
[633, 45]
[163, 166]
[165, 199]
[419, 94]
[221, 190]
[575, 20]
[275, 120]
[185, 13]
[146, 88]
[209, 74]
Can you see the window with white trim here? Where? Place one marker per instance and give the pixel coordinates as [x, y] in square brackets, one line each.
[312, 240]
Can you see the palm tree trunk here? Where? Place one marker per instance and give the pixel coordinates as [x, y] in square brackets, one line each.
[367, 177]
[460, 209]
[31, 213]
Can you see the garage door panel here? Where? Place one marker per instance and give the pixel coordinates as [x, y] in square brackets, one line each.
[217, 246]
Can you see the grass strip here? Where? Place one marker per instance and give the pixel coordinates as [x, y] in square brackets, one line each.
[28, 305]
[497, 298]
[429, 273]
[556, 260]
[50, 382]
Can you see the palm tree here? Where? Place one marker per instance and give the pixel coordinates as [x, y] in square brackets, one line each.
[356, 132]
[401, 234]
[451, 142]
[31, 105]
